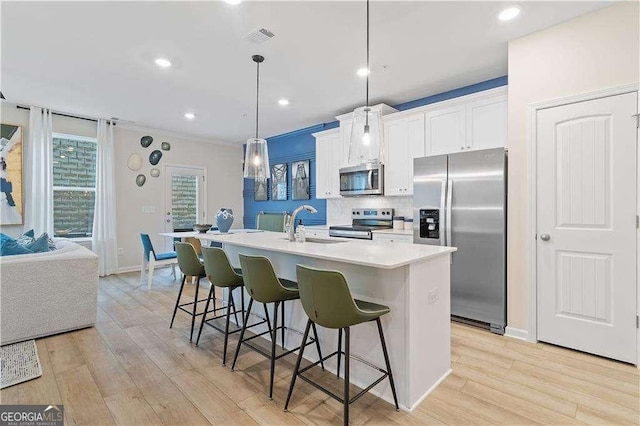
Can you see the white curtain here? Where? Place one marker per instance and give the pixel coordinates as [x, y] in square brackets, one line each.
[38, 172]
[104, 242]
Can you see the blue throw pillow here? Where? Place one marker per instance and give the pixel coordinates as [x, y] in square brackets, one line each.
[12, 247]
[3, 238]
[26, 238]
[40, 244]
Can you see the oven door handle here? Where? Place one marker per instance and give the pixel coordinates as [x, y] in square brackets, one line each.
[370, 179]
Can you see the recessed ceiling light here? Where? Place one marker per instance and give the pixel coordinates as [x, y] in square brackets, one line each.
[189, 116]
[283, 102]
[363, 72]
[509, 13]
[163, 62]
[233, 2]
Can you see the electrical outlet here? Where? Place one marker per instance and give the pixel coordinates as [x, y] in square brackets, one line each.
[120, 251]
[434, 295]
[148, 209]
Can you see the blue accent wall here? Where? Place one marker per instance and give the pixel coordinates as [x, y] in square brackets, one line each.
[301, 145]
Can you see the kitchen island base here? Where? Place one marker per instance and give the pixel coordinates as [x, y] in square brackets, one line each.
[417, 329]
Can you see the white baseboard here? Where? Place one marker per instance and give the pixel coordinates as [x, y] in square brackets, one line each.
[426, 394]
[516, 333]
[129, 269]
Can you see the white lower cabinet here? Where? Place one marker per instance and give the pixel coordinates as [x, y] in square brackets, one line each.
[393, 238]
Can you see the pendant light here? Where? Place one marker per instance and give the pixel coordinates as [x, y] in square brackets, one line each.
[256, 159]
[366, 132]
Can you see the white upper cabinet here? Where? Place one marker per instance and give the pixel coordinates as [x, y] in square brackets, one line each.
[404, 141]
[329, 156]
[487, 123]
[477, 121]
[445, 130]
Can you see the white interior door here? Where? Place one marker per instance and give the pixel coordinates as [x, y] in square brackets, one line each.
[586, 226]
[184, 197]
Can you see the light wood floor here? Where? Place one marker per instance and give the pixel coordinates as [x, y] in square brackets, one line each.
[132, 369]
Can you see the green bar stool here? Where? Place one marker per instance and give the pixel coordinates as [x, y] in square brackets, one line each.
[264, 287]
[328, 302]
[222, 274]
[191, 266]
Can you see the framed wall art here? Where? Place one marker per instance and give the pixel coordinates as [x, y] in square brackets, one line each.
[279, 182]
[11, 175]
[300, 181]
[260, 190]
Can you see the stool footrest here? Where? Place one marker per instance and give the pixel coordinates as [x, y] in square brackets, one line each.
[245, 341]
[238, 329]
[333, 395]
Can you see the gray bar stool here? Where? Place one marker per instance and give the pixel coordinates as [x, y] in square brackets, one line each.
[328, 302]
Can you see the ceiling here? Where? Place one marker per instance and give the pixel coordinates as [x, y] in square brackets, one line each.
[97, 58]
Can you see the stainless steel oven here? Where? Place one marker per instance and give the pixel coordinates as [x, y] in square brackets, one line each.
[365, 179]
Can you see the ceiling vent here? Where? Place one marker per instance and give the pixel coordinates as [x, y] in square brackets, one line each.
[259, 35]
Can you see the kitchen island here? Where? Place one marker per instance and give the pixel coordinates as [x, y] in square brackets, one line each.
[413, 280]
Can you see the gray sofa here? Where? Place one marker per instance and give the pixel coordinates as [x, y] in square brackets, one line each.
[47, 293]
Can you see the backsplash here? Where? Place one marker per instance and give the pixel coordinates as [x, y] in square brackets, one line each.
[339, 209]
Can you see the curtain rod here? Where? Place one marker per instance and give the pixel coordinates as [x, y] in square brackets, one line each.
[69, 116]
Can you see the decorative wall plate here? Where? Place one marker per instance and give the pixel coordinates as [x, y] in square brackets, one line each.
[145, 141]
[154, 157]
[166, 146]
[140, 179]
[134, 162]
[154, 172]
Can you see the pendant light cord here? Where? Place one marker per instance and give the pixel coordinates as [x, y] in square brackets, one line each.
[257, 96]
[368, 69]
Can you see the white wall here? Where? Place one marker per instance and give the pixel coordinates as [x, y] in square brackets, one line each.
[223, 164]
[585, 54]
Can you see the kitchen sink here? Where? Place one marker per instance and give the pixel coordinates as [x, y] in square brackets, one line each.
[319, 241]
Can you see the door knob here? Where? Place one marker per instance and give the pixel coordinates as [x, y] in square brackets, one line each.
[545, 237]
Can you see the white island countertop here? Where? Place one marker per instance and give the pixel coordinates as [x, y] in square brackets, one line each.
[380, 255]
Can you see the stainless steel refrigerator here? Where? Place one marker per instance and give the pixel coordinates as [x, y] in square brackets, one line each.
[460, 200]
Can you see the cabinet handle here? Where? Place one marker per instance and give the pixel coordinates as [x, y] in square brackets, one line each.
[462, 147]
[468, 146]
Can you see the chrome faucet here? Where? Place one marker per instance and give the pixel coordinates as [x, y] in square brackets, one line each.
[290, 226]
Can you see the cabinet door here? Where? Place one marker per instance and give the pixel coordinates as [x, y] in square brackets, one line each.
[345, 140]
[323, 166]
[337, 161]
[487, 123]
[397, 148]
[445, 130]
[415, 148]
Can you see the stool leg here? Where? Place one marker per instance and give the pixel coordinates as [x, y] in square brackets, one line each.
[241, 301]
[339, 351]
[282, 333]
[266, 314]
[315, 333]
[297, 367]
[212, 292]
[235, 313]
[195, 306]
[346, 375]
[386, 360]
[230, 303]
[274, 337]
[177, 302]
[244, 327]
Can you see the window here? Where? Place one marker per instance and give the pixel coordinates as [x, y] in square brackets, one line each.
[74, 185]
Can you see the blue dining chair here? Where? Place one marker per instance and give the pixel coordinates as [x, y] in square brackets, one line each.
[151, 259]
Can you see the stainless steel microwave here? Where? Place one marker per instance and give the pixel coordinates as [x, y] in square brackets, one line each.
[365, 179]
